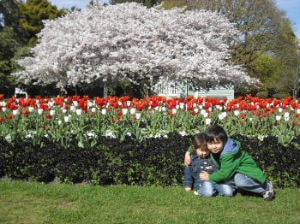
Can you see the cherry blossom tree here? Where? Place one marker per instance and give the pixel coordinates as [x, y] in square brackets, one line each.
[112, 43]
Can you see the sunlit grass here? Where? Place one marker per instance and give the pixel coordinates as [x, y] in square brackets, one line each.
[32, 203]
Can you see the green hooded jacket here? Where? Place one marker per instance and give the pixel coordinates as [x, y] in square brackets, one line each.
[233, 159]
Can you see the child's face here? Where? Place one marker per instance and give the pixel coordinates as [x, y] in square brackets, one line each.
[202, 152]
[215, 146]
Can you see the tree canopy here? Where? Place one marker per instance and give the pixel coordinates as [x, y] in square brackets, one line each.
[266, 34]
[129, 41]
[20, 21]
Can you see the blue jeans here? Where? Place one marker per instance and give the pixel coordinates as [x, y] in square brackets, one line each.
[210, 189]
[246, 183]
[192, 178]
[207, 188]
[227, 188]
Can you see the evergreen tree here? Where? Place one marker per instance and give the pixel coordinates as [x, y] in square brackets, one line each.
[34, 13]
[19, 23]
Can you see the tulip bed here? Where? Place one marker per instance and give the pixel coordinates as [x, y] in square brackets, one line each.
[124, 140]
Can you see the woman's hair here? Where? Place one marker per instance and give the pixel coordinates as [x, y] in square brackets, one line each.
[199, 141]
[216, 132]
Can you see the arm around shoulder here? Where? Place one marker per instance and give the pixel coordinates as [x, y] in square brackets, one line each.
[187, 158]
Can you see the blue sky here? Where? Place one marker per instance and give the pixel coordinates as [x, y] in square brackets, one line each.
[291, 7]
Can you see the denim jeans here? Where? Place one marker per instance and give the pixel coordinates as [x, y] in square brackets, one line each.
[207, 188]
[246, 183]
[192, 178]
[227, 188]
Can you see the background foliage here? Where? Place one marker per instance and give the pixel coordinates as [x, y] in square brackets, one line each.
[20, 21]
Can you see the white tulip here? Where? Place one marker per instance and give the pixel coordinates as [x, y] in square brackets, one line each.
[222, 115]
[67, 118]
[205, 114]
[52, 112]
[203, 111]
[93, 109]
[236, 112]
[132, 110]
[137, 116]
[78, 111]
[40, 111]
[31, 109]
[181, 105]
[173, 111]
[207, 121]
[124, 111]
[72, 108]
[286, 116]
[104, 111]
[16, 112]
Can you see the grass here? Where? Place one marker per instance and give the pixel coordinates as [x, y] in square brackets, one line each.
[33, 203]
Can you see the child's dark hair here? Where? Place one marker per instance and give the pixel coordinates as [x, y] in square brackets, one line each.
[216, 132]
[199, 141]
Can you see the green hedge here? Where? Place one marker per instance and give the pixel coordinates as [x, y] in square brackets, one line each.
[155, 161]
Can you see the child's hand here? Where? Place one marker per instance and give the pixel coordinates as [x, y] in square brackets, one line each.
[204, 176]
[209, 169]
[187, 159]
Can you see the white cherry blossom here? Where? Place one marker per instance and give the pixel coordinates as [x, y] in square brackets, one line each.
[131, 42]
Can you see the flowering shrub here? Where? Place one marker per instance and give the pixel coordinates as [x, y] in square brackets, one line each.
[62, 119]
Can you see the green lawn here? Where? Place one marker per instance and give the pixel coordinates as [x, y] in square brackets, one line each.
[32, 203]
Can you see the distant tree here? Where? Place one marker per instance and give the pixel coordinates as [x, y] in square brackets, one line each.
[10, 40]
[9, 13]
[20, 21]
[129, 42]
[8, 46]
[265, 33]
[34, 12]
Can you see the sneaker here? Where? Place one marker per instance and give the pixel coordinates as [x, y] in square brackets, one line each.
[188, 189]
[269, 195]
[196, 193]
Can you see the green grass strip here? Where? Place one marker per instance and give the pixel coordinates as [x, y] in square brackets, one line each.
[34, 203]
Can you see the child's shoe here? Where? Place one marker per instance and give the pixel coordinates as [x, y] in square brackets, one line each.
[269, 195]
[188, 189]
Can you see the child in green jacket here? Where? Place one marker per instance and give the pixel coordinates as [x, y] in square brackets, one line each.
[235, 164]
